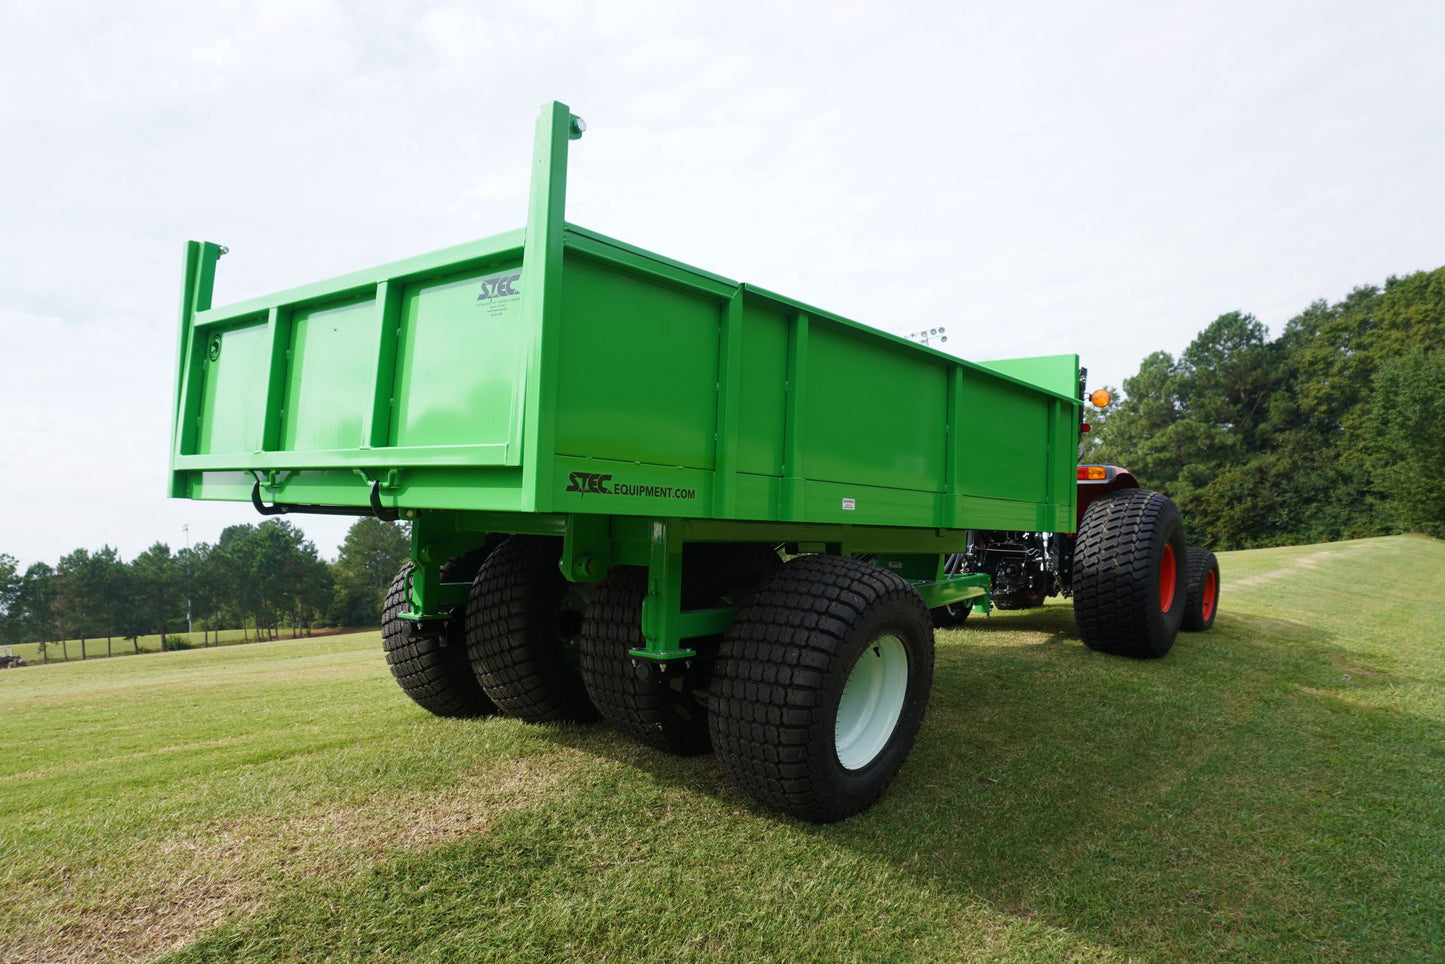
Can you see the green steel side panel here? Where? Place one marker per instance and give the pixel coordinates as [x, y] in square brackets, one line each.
[458, 377]
[854, 503]
[873, 414]
[1058, 374]
[757, 496]
[765, 373]
[468, 489]
[1006, 453]
[330, 379]
[498, 248]
[1061, 517]
[981, 513]
[233, 400]
[492, 489]
[637, 373]
[608, 486]
[222, 486]
[1055, 373]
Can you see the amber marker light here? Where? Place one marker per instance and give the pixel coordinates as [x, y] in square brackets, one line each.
[1101, 398]
[1093, 473]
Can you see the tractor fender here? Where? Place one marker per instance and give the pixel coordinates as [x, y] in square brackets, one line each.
[1096, 480]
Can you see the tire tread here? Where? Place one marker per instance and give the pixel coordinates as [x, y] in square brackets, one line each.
[774, 669]
[432, 670]
[1115, 583]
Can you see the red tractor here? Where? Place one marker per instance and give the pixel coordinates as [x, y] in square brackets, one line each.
[1134, 581]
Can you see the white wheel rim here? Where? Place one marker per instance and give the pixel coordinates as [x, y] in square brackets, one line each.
[872, 702]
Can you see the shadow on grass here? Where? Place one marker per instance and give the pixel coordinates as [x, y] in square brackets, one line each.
[1253, 796]
[1247, 797]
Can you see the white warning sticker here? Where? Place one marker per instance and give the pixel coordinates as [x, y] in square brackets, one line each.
[849, 505]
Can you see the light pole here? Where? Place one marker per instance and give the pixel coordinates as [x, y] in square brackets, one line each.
[186, 528]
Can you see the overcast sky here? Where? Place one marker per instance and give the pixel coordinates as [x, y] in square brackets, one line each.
[1103, 178]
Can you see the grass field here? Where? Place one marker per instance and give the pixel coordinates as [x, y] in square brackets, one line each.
[1271, 791]
[96, 648]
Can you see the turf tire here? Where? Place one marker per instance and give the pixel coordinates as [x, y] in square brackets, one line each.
[1201, 602]
[1129, 574]
[523, 622]
[781, 674]
[431, 669]
[663, 707]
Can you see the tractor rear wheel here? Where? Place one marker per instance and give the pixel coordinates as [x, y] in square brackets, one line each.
[1129, 574]
[432, 669]
[1202, 599]
[821, 685]
[523, 623]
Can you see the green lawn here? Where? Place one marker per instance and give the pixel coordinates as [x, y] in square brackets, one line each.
[1272, 790]
[100, 648]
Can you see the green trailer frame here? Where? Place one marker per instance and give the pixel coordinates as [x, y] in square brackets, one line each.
[555, 381]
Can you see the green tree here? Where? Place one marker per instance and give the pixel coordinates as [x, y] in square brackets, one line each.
[1140, 432]
[75, 600]
[272, 574]
[11, 616]
[158, 594]
[35, 602]
[1331, 362]
[204, 569]
[373, 551]
[369, 559]
[1407, 412]
[231, 567]
[1268, 442]
[110, 583]
[1226, 379]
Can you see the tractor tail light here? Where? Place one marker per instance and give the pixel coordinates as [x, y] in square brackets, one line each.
[1093, 473]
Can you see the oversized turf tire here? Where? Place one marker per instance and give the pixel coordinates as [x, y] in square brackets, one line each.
[1129, 574]
[523, 622]
[431, 669]
[820, 686]
[664, 707]
[1201, 601]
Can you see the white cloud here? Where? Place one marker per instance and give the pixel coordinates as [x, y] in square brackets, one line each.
[1040, 177]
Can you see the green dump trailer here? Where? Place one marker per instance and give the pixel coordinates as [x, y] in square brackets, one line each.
[715, 516]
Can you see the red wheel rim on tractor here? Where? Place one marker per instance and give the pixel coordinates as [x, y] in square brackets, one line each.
[1168, 579]
[1211, 589]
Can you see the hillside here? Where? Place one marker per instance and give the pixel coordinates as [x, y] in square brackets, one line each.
[1269, 791]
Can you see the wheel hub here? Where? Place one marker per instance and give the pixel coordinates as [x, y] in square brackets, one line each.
[872, 702]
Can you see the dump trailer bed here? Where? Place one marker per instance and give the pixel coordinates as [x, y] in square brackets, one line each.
[555, 383]
[639, 386]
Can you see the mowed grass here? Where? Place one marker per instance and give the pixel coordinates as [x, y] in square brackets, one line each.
[1273, 790]
[100, 648]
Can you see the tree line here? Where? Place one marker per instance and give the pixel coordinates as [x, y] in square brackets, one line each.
[262, 579]
[1332, 430]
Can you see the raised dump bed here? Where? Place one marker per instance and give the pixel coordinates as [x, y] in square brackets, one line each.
[655, 439]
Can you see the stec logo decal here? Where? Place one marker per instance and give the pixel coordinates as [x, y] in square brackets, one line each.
[585, 482]
[499, 286]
